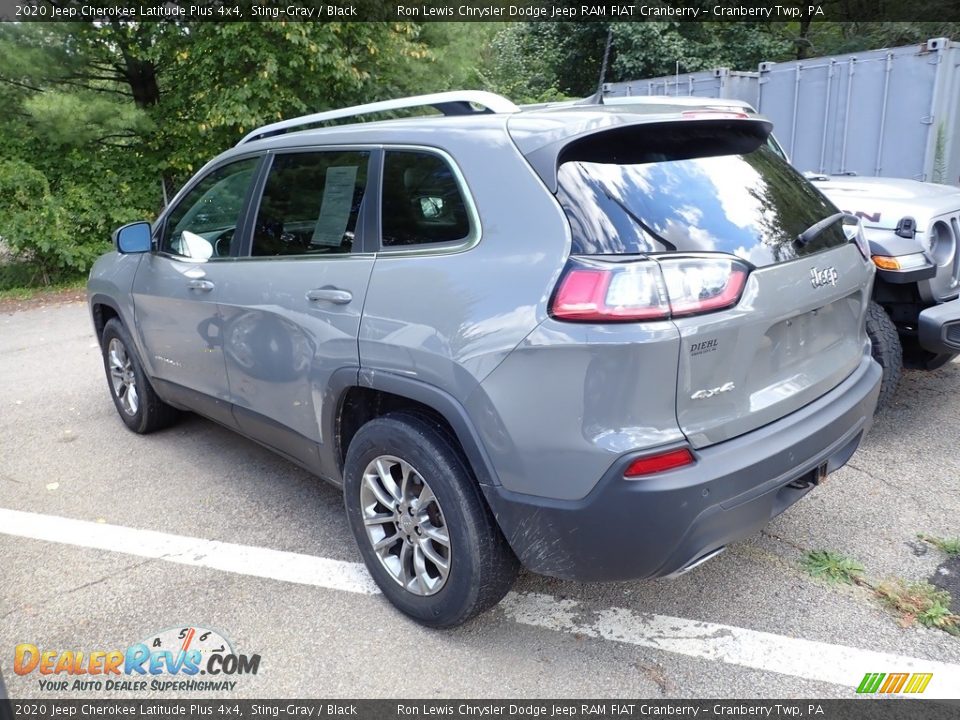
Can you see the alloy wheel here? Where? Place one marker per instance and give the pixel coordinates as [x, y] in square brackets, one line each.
[123, 380]
[405, 525]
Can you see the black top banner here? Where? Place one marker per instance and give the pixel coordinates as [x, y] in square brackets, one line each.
[479, 11]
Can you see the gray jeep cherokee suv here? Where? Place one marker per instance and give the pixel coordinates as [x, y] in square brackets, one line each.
[600, 342]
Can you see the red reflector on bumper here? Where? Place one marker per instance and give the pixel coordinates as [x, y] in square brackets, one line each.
[659, 463]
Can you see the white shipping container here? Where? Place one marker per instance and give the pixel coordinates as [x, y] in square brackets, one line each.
[717, 83]
[892, 112]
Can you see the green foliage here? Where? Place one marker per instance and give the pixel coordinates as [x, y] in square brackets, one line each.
[920, 602]
[948, 546]
[33, 222]
[454, 55]
[233, 77]
[940, 156]
[70, 118]
[543, 60]
[521, 63]
[655, 49]
[832, 567]
[99, 119]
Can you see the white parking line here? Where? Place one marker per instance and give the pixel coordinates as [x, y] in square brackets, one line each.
[823, 662]
[184, 550]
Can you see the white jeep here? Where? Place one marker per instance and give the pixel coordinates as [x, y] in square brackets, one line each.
[913, 230]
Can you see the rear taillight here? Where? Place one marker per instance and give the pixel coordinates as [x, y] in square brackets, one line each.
[660, 462]
[594, 290]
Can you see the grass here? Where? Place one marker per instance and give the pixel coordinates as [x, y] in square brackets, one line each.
[914, 602]
[948, 546]
[832, 567]
[920, 602]
[22, 280]
[28, 293]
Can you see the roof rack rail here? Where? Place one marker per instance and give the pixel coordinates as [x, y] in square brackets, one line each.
[457, 102]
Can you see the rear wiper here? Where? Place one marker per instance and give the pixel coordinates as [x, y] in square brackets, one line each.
[646, 228]
[804, 238]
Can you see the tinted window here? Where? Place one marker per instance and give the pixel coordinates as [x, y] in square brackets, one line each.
[421, 201]
[204, 222]
[752, 205]
[311, 204]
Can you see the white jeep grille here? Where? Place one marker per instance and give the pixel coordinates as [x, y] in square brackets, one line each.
[944, 239]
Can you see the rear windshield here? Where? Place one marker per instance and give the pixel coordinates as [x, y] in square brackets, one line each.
[751, 205]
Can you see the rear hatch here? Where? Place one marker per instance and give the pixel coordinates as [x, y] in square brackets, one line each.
[760, 337]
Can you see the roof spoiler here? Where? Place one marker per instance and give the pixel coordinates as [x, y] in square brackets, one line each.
[656, 141]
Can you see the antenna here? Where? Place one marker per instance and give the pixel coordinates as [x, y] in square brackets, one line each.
[603, 65]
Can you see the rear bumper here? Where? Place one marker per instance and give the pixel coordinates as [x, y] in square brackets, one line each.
[939, 328]
[628, 529]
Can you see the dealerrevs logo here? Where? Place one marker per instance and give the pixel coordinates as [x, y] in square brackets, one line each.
[170, 660]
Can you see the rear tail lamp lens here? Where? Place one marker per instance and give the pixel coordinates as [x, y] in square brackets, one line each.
[661, 462]
[611, 291]
[596, 290]
[697, 285]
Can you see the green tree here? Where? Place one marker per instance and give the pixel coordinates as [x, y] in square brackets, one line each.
[109, 119]
[543, 58]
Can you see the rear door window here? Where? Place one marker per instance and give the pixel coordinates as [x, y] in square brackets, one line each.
[750, 205]
[311, 204]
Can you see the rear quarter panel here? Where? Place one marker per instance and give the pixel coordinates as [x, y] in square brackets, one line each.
[448, 319]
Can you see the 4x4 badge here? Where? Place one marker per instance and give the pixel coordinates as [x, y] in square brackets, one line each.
[704, 394]
[827, 276]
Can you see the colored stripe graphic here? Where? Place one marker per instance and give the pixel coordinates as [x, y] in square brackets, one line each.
[871, 682]
[894, 683]
[918, 682]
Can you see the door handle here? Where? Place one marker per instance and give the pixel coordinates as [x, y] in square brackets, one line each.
[202, 285]
[329, 294]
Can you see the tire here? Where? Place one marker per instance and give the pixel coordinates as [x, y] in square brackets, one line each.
[480, 566]
[886, 350]
[141, 410]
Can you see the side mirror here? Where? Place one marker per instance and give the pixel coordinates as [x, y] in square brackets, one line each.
[133, 238]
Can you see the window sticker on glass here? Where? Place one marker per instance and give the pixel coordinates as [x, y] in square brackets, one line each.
[338, 193]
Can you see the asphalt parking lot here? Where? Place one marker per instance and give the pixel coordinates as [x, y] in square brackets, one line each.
[252, 538]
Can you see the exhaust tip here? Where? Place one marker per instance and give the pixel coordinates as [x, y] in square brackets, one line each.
[696, 563]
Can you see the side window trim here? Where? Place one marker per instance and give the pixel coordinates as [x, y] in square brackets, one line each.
[160, 226]
[440, 248]
[370, 220]
[253, 206]
[368, 224]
